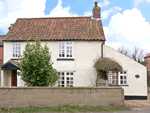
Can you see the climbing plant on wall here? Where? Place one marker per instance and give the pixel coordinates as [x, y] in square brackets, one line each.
[106, 64]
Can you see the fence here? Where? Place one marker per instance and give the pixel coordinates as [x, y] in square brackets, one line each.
[20, 97]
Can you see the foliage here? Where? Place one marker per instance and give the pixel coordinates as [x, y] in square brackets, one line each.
[103, 66]
[70, 108]
[136, 54]
[107, 64]
[36, 65]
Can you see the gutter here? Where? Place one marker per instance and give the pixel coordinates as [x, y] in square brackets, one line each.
[102, 49]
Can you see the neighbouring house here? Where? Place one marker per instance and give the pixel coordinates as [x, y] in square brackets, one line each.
[1, 52]
[1, 49]
[74, 43]
[147, 61]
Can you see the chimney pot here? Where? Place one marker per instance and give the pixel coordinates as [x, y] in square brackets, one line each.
[96, 11]
[95, 4]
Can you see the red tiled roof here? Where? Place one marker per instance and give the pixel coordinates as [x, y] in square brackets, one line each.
[148, 55]
[56, 28]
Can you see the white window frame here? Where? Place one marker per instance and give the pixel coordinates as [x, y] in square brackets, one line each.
[123, 74]
[13, 51]
[112, 74]
[65, 49]
[65, 78]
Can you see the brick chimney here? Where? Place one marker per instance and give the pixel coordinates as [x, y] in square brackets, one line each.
[96, 11]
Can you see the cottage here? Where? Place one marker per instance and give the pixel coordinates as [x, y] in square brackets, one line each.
[74, 43]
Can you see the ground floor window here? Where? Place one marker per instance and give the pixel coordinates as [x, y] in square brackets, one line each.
[65, 79]
[117, 79]
[113, 78]
[123, 78]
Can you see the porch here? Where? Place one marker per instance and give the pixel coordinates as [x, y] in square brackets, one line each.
[10, 74]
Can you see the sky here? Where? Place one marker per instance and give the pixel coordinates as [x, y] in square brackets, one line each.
[125, 22]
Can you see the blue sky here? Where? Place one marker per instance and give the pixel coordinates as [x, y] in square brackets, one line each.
[125, 22]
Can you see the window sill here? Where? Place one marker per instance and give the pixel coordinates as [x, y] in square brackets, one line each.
[123, 85]
[118, 85]
[14, 59]
[68, 59]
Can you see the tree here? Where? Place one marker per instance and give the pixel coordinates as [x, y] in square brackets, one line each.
[136, 54]
[125, 51]
[36, 65]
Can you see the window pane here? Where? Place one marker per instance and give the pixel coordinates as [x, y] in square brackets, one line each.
[71, 73]
[113, 81]
[63, 55]
[59, 55]
[71, 82]
[70, 55]
[70, 47]
[121, 82]
[124, 72]
[62, 82]
[67, 73]
[67, 78]
[125, 77]
[121, 77]
[67, 55]
[71, 78]
[125, 82]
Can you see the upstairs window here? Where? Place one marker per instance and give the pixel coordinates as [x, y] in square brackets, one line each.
[16, 49]
[65, 50]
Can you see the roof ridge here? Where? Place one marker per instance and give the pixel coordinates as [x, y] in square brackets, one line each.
[56, 17]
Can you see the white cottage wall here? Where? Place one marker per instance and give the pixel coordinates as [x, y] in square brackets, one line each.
[137, 86]
[84, 54]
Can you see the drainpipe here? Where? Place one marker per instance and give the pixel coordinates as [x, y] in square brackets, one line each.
[102, 49]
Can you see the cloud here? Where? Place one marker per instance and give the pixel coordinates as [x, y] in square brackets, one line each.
[10, 10]
[118, 8]
[88, 13]
[104, 3]
[59, 11]
[106, 13]
[130, 29]
[137, 2]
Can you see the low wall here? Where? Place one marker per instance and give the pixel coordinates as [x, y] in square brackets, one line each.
[20, 97]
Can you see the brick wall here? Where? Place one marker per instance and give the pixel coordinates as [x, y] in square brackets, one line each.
[20, 97]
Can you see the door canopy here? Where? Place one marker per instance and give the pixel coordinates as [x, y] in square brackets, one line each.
[10, 65]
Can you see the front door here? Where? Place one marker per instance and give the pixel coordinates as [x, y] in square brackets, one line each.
[14, 77]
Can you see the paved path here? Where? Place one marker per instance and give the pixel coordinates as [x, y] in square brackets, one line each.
[135, 110]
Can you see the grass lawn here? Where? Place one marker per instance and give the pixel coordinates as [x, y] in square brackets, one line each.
[69, 108]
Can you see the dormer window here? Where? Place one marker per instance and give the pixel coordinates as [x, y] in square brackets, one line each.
[65, 49]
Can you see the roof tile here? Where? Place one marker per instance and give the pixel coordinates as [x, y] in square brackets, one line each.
[56, 28]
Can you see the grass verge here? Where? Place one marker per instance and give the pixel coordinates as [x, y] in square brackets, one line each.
[69, 108]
